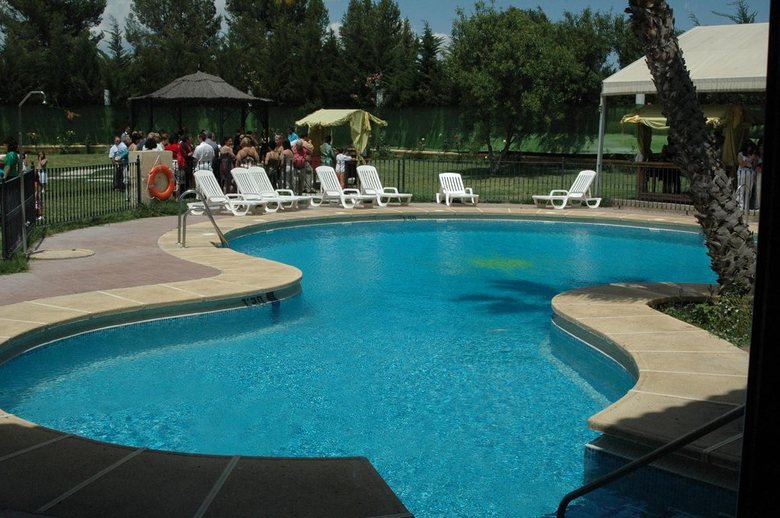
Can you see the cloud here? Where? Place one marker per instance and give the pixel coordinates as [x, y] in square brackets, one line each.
[335, 27]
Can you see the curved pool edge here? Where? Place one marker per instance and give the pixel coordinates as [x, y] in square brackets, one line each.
[685, 376]
[68, 475]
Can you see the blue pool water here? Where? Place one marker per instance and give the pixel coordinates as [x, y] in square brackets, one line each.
[424, 345]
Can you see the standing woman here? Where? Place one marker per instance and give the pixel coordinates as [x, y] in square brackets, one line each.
[745, 175]
[327, 157]
[185, 151]
[247, 155]
[758, 166]
[42, 178]
[226, 161]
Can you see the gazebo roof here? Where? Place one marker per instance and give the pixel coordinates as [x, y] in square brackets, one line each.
[200, 87]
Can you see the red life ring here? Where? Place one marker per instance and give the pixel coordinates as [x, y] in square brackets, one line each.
[154, 192]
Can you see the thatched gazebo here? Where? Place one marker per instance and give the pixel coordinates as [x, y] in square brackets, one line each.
[201, 89]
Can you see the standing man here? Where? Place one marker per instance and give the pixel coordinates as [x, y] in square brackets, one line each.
[120, 163]
[210, 140]
[113, 159]
[203, 154]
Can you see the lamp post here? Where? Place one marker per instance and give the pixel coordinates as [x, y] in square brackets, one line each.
[21, 176]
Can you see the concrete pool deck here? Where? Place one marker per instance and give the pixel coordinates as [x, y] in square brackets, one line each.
[686, 377]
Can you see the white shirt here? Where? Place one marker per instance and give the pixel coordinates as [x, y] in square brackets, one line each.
[112, 152]
[203, 153]
[341, 160]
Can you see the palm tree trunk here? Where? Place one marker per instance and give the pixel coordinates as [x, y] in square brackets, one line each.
[730, 243]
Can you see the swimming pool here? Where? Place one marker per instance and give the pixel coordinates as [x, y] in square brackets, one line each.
[436, 361]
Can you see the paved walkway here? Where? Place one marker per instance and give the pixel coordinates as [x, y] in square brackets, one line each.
[125, 254]
[137, 268]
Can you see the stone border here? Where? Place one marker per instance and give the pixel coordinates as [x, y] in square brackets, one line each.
[686, 376]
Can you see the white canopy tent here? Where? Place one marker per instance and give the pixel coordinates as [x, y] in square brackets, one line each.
[719, 58]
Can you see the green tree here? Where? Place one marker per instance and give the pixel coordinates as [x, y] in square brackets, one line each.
[378, 52]
[115, 64]
[275, 48]
[591, 37]
[730, 243]
[626, 45]
[510, 69]
[244, 56]
[430, 71]
[399, 85]
[40, 39]
[335, 87]
[171, 39]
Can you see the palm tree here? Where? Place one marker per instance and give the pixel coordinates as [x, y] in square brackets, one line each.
[742, 13]
[729, 242]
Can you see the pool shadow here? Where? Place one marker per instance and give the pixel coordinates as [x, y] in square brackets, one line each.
[504, 297]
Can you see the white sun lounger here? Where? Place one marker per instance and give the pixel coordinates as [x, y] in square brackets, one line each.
[332, 191]
[579, 193]
[371, 184]
[451, 188]
[253, 183]
[208, 187]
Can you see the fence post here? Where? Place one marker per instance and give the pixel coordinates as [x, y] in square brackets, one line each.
[403, 172]
[563, 168]
[3, 208]
[138, 180]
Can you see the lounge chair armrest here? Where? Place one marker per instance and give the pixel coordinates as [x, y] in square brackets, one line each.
[469, 190]
[390, 190]
[559, 192]
[351, 191]
[285, 192]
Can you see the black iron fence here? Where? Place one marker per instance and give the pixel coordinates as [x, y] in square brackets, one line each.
[80, 193]
[17, 213]
[64, 195]
[621, 182]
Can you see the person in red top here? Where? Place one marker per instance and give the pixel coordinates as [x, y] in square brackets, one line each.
[173, 147]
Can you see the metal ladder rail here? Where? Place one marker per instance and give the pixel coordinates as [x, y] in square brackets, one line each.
[182, 219]
[654, 455]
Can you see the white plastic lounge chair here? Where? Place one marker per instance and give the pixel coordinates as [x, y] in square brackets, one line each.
[208, 187]
[578, 193]
[260, 177]
[332, 191]
[371, 184]
[253, 184]
[249, 190]
[451, 188]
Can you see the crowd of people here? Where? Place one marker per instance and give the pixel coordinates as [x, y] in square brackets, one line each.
[289, 159]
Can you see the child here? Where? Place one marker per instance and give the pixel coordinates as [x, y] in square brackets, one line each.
[341, 164]
[42, 161]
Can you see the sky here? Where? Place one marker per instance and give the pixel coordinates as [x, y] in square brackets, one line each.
[440, 14]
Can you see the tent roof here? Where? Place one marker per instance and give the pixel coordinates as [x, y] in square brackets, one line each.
[720, 58]
[200, 87]
[326, 117]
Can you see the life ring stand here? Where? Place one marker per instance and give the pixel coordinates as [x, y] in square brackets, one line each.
[154, 192]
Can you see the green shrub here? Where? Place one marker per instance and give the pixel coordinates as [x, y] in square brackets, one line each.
[730, 316]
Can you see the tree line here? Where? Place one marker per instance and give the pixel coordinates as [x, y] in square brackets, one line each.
[285, 50]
